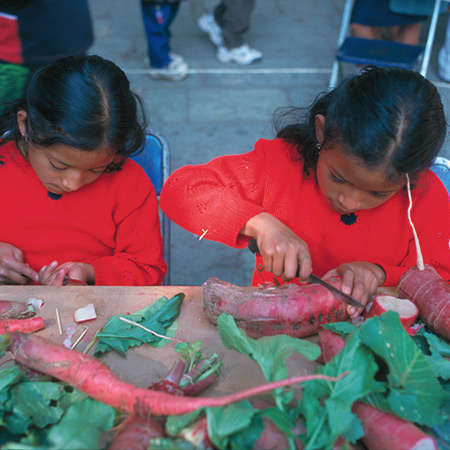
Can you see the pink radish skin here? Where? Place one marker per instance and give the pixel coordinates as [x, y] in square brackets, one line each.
[22, 325]
[294, 310]
[406, 309]
[381, 430]
[97, 381]
[431, 294]
[10, 309]
[135, 433]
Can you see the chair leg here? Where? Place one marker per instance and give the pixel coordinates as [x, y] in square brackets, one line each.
[335, 75]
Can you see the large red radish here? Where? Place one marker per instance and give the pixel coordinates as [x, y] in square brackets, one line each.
[431, 294]
[406, 309]
[297, 311]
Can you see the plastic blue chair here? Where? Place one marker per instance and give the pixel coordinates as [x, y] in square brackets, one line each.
[381, 53]
[155, 160]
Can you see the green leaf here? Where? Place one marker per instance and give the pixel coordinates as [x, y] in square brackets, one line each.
[227, 420]
[339, 396]
[9, 377]
[158, 317]
[414, 392]
[38, 402]
[269, 352]
[82, 425]
[174, 424]
[341, 328]
[170, 444]
[247, 438]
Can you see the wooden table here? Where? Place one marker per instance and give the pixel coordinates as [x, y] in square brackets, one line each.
[144, 365]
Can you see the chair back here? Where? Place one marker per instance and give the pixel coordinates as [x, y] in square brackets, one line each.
[381, 53]
[155, 160]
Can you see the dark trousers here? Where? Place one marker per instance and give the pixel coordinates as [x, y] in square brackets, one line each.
[233, 17]
[157, 20]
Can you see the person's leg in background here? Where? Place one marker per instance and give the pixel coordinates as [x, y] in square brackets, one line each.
[226, 27]
[157, 18]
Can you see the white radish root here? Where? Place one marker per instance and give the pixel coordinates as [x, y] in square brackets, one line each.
[420, 264]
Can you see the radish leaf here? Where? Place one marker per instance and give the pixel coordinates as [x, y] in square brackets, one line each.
[119, 335]
[269, 352]
[414, 392]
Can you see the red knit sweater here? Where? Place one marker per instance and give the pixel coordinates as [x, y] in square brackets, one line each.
[112, 223]
[224, 194]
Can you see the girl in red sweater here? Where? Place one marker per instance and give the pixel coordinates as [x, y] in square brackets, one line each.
[329, 193]
[73, 205]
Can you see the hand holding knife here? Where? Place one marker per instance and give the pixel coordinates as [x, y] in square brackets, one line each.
[339, 295]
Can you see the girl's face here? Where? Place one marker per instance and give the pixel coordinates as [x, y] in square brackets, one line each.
[61, 168]
[347, 185]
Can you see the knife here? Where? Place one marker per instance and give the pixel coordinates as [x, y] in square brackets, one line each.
[339, 295]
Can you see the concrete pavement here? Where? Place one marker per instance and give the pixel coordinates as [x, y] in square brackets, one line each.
[223, 108]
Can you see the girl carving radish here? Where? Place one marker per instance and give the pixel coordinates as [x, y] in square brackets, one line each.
[329, 193]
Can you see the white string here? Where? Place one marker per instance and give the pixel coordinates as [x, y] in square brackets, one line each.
[420, 264]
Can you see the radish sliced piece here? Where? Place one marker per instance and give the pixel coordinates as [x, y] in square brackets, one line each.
[35, 302]
[85, 313]
[406, 309]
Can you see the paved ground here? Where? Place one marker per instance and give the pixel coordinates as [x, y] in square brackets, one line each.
[223, 108]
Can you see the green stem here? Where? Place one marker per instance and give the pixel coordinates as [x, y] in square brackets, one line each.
[309, 444]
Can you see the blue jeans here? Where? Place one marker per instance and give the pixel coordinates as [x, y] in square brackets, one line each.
[441, 168]
[157, 20]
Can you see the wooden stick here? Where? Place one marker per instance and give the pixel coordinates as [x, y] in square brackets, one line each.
[89, 346]
[148, 330]
[81, 337]
[58, 320]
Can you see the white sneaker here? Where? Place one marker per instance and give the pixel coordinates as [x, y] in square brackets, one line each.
[176, 70]
[207, 24]
[240, 55]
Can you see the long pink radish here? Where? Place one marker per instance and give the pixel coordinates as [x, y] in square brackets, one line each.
[23, 325]
[431, 294]
[99, 382]
[297, 311]
[381, 430]
[10, 309]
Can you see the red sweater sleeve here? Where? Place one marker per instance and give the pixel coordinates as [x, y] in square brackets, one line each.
[220, 196]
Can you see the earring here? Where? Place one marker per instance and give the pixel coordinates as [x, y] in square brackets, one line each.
[24, 138]
[318, 147]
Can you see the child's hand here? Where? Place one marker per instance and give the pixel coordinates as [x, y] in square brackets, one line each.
[54, 275]
[13, 269]
[281, 249]
[359, 280]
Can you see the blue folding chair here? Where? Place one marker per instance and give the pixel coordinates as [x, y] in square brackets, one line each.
[381, 53]
[155, 160]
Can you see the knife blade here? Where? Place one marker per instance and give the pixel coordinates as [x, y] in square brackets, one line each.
[338, 294]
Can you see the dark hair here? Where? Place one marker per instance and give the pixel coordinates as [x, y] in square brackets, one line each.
[387, 117]
[82, 102]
